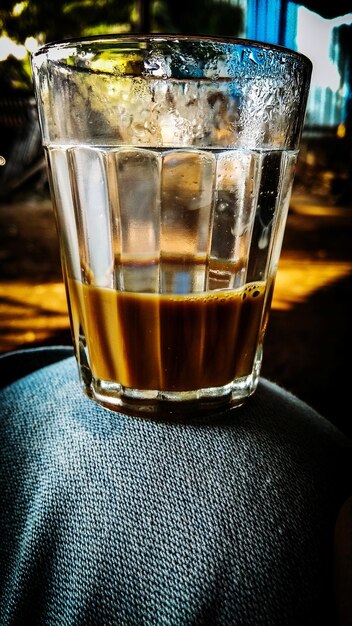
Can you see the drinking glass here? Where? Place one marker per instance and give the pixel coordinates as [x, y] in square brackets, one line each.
[171, 161]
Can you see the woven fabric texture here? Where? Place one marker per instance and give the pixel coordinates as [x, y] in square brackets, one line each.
[109, 520]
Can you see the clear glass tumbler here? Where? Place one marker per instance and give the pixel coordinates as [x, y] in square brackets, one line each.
[171, 161]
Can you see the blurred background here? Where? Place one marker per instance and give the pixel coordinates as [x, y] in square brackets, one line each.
[308, 343]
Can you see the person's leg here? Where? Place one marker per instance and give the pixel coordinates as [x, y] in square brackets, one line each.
[108, 520]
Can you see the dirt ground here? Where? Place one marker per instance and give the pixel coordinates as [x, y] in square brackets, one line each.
[308, 343]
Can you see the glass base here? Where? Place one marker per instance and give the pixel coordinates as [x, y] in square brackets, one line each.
[170, 404]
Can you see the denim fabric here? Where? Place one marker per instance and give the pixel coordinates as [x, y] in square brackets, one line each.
[113, 520]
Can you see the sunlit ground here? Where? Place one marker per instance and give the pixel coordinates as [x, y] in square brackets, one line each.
[31, 313]
[296, 282]
[36, 313]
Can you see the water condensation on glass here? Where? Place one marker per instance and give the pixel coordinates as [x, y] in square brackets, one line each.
[164, 93]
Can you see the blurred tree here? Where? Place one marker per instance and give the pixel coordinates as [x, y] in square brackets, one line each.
[72, 18]
[14, 74]
[61, 19]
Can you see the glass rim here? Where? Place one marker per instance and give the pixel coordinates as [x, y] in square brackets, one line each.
[170, 37]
